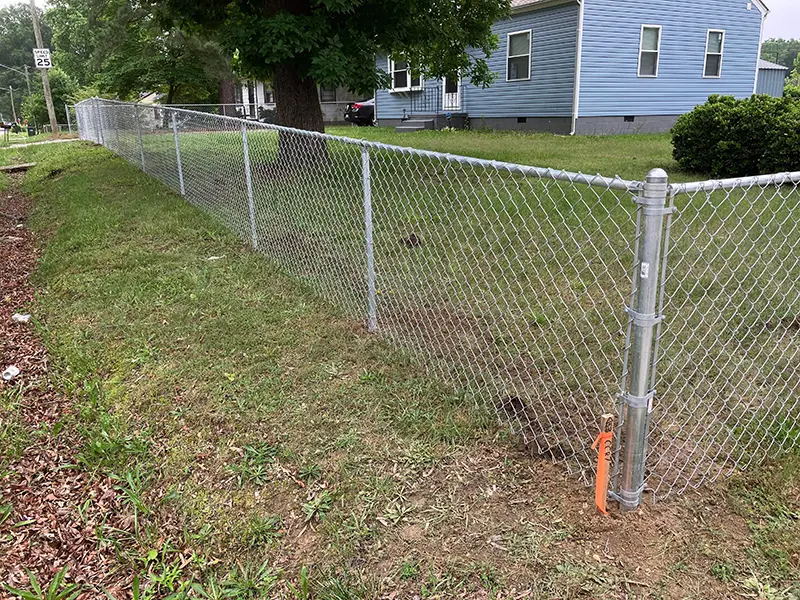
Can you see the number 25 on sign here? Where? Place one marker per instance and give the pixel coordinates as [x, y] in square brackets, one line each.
[41, 58]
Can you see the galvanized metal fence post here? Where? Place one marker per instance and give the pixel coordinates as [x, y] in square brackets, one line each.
[139, 133]
[638, 397]
[69, 120]
[80, 127]
[248, 177]
[372, 300]
[178, 154]
[99, 121]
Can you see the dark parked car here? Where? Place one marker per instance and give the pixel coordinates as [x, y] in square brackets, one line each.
[361, 113]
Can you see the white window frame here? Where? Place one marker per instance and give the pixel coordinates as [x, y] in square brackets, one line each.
[508, 53]
[721, 53]
[641, 50]
[409, 87]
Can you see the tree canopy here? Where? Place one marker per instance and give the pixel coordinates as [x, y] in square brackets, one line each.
[16, 45]
[780, 51]
[299, 44]
[62, 89]
[124, 48]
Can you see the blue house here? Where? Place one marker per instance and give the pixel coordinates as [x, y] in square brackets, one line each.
[591, 66]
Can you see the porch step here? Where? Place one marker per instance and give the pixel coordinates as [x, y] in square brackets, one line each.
[415, 125]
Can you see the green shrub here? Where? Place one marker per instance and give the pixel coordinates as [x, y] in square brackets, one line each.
[733, 138]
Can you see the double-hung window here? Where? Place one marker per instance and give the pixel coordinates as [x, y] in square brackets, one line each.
[649, 50]
[327, 94]
[518, 56]
[715, 44]
[403, 78]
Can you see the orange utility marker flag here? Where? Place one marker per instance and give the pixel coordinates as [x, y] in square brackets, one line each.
[603, 446]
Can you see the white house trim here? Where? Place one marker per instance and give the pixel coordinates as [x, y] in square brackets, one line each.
[538, 4]
[576, 93]
[762, 7]
[409, 87]
[721, 53]
[530, 53]
[657, 50]
[764, 12]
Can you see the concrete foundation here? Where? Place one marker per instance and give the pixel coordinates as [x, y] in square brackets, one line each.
[622, 125]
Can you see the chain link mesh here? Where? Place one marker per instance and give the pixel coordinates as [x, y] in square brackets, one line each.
[728, 367]
[509, 281]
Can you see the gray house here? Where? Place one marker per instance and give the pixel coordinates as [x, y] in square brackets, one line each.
[592, 66]
[771, 78]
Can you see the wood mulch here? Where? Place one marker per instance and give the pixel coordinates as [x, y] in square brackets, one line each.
[58, 511]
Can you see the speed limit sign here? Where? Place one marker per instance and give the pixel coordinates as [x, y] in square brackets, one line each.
[41, 58]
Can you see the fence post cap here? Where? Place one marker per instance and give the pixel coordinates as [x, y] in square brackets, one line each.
[657, 176]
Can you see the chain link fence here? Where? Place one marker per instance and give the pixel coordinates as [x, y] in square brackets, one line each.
[510, 282]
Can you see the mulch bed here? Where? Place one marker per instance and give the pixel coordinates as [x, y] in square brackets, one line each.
[45, 530]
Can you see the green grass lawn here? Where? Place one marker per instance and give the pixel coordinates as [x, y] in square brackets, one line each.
[22, 138]
[629, 156]
[265, 435]
[519, 280]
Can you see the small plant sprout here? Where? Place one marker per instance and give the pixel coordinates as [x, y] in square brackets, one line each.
[318, 506]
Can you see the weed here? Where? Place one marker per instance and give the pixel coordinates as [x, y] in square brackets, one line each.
[255, 466]
[263, 530]
[309, 472]
[367, 376]
[395, 512]
[318, 506]
[765, 591]
[725, 572]
[107, 445]
[248, 581]
[5, 512]
[342, 588]
[301, 590]
[132, 485]
[57, 590]
[408, 570]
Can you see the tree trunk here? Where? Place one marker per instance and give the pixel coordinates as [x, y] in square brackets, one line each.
[296, 100]
[173, 89]
[297, 106]
[227, 95]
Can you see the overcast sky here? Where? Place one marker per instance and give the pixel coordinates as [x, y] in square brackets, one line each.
[783, 21]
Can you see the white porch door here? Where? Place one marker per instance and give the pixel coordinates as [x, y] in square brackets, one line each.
[451, 96]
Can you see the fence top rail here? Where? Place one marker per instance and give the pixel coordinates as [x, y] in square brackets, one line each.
[737, 182]
[616, 183]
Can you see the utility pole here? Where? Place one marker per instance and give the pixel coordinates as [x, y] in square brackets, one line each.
[13, 109]
[51, 111]
[28, 80]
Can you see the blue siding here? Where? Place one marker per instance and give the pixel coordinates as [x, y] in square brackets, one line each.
[772, 82]
[610, 85]
[548, 93]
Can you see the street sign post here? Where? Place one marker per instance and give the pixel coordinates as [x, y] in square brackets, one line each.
[41, 58]
[46, 63]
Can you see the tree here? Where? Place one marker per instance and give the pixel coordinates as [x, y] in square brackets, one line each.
[62, 88]
[16, 50]
[126, 48]
[299, 44]
[780, 51]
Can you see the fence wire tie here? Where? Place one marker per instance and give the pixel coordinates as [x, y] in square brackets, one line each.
[643, 319]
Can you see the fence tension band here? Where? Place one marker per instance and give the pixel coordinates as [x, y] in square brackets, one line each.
[653, 207]
[642, 319]
[632, 401]
[628, 498]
